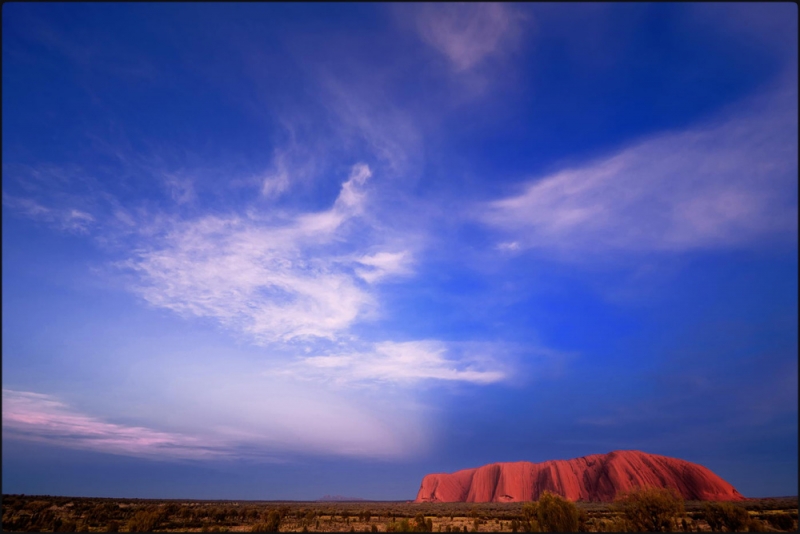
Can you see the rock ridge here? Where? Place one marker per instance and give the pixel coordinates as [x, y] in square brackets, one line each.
[594, 478]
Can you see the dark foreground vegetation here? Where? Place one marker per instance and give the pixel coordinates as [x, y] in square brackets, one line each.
[642, 511]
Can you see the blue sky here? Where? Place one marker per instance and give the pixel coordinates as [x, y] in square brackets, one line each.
[278, 251]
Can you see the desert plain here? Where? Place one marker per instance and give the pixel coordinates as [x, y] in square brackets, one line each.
[26, 513]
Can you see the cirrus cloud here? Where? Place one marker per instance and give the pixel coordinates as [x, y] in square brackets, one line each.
[43, 418]
[728, 182]
[468, 34]
[274, 280]
[401, 363]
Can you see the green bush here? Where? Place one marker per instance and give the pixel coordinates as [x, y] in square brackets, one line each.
[651, 509]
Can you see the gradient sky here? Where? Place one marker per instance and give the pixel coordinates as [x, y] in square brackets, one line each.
[278, 251]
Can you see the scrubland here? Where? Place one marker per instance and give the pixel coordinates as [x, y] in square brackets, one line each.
[641, 511]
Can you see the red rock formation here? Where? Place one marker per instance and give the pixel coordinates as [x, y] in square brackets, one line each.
[599, 477]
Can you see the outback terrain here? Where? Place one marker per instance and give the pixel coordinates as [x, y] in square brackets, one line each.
[26, 513]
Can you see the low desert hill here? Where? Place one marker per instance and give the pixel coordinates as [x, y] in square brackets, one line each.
[597, 478]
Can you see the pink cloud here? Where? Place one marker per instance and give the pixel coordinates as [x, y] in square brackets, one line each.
[42, 418]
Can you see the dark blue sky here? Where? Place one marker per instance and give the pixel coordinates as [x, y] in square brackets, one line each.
[278, 251]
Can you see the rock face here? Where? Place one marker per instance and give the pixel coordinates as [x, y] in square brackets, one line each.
[599, 477]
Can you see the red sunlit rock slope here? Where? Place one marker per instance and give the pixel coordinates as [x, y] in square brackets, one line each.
[599, 477]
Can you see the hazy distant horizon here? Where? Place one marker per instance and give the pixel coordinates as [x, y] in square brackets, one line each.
[282, 251]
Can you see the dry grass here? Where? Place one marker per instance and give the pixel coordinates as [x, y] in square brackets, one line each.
[46, 514]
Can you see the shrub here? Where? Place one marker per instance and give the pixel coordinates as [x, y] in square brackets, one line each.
[113, 526]
[583, 521]
[616, 524]
[651, 509]
[781, 521]
[402, 526]
[45, 520]
[754, 525]
[272, 524]
[38, 506]
[66, 525]
[274, 520]
[552, 513]
[529, 523]
[218, 514]
[143, 521]
[726, 516]
[531, 526]
[529, 510]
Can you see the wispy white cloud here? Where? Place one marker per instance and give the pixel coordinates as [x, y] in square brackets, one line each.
[250, 404]
[229, 420]
[275, 280]
[375, 267]
[64, 218]
[280, 278]
[468, 34]
[274, 184]
[291, 164]
[724, 183]
[365, 113]
[180, 188]
[43, 418]
[402, 363]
